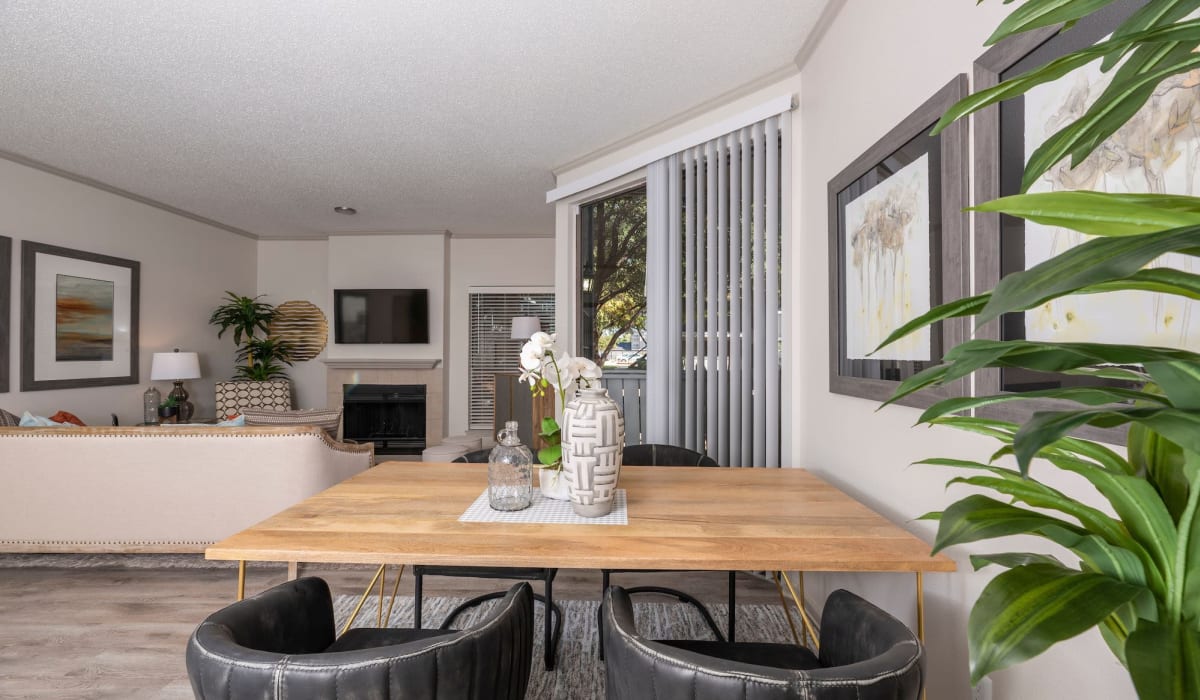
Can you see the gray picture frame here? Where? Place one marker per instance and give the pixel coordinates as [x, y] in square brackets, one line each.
[952, 238]
[989, 152]
[29, 382]
[5, 310]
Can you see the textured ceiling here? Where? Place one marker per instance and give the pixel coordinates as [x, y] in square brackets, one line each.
[425, 115]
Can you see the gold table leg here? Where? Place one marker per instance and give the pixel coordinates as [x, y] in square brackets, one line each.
[786, 610]
[810, 631]
[395, 589]
[241, 589]
[363, 599]
[382, 584]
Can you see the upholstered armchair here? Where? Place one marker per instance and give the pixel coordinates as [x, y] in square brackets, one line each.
[280, 644]
[865, 654]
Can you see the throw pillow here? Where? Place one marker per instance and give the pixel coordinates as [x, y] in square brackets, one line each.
[9, 420]
[326, 419]
[66, 417]
[28, 420]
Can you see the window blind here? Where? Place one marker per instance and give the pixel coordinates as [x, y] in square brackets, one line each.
[491, 349]
[715, 228]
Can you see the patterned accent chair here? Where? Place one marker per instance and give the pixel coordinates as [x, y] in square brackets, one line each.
[235, 396]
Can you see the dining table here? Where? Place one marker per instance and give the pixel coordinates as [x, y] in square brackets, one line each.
[779, 520]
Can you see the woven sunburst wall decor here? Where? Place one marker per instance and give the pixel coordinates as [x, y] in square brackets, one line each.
[303, 326]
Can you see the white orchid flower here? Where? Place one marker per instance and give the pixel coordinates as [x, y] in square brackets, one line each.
[530, 375]
[557, 371]
[531, 356]
[585, 369]
[543, 340]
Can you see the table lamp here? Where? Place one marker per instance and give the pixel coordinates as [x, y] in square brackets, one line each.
[176, 367]
[525, 326]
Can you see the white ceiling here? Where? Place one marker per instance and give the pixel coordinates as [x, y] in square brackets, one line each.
[423, 114]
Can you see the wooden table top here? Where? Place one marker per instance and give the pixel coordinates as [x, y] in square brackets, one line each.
[685, 518]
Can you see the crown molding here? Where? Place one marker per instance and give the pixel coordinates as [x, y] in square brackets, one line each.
[781, 73]
[104, 187]
[824, 21]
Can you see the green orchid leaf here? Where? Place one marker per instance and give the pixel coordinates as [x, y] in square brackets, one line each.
[978, 517]
[1088, 396]
[1123, 374]
[550, 455]
[1092, 262]
[1164, 660]
[1027, 609]
[1097, 213]
[549, 430]
[1011, 560]
[931, 376]
[1187, 561]
[1035, 14]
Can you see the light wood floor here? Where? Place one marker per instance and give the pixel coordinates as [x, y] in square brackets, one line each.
[121, 632]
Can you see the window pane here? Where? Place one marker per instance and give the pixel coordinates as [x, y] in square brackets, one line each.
[492, 349]
[612, 313]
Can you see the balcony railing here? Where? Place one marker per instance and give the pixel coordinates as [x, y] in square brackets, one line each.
[628, 388]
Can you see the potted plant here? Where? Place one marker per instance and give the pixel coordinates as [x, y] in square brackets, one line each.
[260, 356]
[544, 365]
[1133, 569]
[168, 410]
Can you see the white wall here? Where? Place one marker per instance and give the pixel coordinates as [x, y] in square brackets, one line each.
[866, 75]
[479, 262]
[299, 270]
[185, 268]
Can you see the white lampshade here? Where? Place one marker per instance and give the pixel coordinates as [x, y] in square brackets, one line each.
[525, 326]
[171, 366]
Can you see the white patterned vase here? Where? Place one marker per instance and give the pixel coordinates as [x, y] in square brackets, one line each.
[593, 436]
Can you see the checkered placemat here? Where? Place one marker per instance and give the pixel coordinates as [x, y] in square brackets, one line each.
[543, 510]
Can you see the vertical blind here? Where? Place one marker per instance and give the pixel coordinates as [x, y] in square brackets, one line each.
[491, 349]
[714, 215]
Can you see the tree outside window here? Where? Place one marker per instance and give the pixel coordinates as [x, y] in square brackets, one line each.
[613, 280]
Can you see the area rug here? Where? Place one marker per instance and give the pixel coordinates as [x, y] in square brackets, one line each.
[579, 674]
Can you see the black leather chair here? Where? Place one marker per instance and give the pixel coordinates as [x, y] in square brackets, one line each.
[553, 617]
[280, 644]
[673, 456]
[865, 654]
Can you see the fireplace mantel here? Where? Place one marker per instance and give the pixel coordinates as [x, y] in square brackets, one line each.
[355, 363]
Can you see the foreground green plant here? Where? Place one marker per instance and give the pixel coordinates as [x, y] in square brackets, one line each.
[1134, 573]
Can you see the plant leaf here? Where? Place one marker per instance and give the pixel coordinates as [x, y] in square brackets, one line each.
[1097, 213]
[1035, 14]
[1164, 660]
[1121, 101]
[550, 455]
[1027, 609]
[979, 517]
[1087, 395]
[1011, 560]
[954, 309]
[1156, 13]
[1094, 261]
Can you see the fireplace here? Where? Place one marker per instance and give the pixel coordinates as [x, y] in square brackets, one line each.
[390, 415]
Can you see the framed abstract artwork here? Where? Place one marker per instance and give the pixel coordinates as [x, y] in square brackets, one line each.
[1157, 151]
[79, 318]
[5, 306]
[898, 247]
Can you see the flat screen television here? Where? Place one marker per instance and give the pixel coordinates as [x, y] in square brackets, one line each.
[362, 316]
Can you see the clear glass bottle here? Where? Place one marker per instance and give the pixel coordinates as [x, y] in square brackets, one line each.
[510, 472]
[150, 401]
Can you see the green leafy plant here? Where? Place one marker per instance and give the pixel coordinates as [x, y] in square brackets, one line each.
[262, 357]
[169, 402]
[1134, 569]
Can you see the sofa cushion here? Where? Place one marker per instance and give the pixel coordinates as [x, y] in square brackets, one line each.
[235, 396]
[9, 420]
[325, 419]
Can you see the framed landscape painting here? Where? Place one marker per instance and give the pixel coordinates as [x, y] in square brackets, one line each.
[79, 318]
[897, 248]
[1157, 151]
[5, 306]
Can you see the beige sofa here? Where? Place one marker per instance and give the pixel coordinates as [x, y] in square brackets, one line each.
[170, 489]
